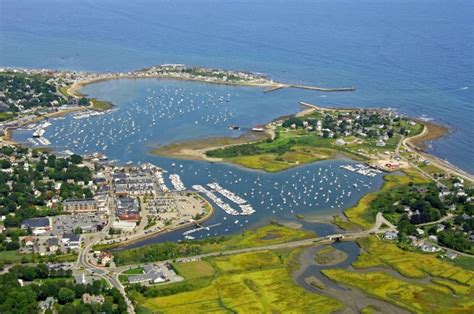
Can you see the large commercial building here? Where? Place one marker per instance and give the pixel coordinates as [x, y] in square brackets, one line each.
[80, 205]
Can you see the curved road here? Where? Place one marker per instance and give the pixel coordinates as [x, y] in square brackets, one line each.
[111, 274]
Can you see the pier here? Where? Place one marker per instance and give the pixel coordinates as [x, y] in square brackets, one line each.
[199, 228]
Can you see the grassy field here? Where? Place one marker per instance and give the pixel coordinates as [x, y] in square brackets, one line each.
[290, 148]
[63, 90]
[329, 255]
[410, 264]
[12, 257]
[465, 262]
[417, 298]
[245, 283]
[4, 116]
[246, 261]
[193, 270]
[273, 163]
[361, 215]
[271, 234]
[100, 105]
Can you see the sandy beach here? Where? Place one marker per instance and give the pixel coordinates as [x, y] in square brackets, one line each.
[417, 145]
[196, 149]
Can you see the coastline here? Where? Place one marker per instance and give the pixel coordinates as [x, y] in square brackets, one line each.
[116, 246]
[7, 137]
[196, 149]
[74, 88]
[431, 131]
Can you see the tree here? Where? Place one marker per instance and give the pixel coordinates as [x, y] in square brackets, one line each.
[76, 159]
[83, 101]
[66, 295]
[5, 164]
[12, 246]
[373, 133]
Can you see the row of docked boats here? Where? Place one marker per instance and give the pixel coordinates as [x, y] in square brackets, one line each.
[362, 170]
[176, 182]
[246, 208]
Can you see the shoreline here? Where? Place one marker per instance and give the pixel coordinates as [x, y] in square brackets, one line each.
[432, 131]
[196, 149]
[73, 89]
[118, 246]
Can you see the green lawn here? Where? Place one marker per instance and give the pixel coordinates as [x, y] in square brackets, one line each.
[13, 257]
[193, 270]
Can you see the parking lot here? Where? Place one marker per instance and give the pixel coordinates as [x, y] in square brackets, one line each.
[68, 223]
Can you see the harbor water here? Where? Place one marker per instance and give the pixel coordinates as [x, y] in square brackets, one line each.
[416, 56]
[158, 112]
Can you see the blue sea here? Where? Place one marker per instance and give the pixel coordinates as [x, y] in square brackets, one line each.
[416, 56]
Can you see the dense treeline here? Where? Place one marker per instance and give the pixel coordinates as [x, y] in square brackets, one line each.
[164, 251]
[252, 149]
[24, 299]
[422, 200]
[28, 183]
[156, 252]
[411, 204]
[455, 240]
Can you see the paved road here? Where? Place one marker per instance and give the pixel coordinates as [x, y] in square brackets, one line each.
[448, 216]
[111, 274]
[83, 261]
[376, 229]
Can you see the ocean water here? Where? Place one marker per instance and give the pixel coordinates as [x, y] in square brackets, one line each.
[416, 56]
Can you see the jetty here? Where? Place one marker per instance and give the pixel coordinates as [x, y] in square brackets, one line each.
[315, 88]
[324, 89]
[274, 88]
[322, 109]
